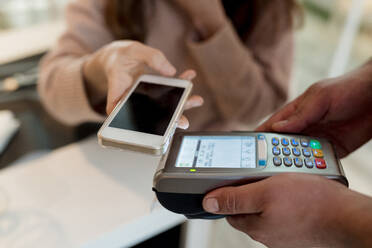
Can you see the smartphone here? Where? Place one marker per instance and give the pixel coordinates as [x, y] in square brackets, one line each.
[146, 118]
[199, 162]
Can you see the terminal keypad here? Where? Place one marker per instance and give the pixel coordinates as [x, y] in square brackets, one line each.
[298, 152]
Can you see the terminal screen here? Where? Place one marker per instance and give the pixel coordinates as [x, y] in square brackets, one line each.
[217, 152]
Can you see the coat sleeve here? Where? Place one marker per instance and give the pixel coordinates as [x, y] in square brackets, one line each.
[61, 84]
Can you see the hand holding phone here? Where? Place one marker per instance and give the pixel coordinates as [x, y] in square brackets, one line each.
[111, 70]
[146, 118]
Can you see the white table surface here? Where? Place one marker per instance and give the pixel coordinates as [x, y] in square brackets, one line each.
[86, 196]
[82, 195]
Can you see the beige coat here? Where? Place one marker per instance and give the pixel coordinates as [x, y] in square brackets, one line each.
[240, 82]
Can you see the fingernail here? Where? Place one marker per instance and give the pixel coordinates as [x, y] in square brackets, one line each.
[170, 69]
[280, 124]
[211, 205]
[183, 125]
[192, 75]
[195, 104]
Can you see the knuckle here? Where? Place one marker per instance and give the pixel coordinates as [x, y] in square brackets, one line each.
[316, 87]
[110, 63]
[112, 72]
[298, 114]
[109, 75]
[117, 45]
[157, 52]
[230, 202]
[157, 56]
[124, 46]
[110, 69]
[135, 44]
[259, 236]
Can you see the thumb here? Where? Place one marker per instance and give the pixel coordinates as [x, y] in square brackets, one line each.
[247, 199]
[118, 86]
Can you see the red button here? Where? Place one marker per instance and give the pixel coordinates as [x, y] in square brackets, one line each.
[320, 163]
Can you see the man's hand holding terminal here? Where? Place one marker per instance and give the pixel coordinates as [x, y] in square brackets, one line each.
[300, 210]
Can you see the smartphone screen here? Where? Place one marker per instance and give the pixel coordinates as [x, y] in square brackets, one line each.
[149, 109]
[217, 152]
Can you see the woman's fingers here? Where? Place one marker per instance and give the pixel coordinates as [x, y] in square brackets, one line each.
[194, 102]
[188, 75]
[153, 58]
[183, 123]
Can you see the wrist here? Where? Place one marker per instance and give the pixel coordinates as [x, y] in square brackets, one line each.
[352, 223]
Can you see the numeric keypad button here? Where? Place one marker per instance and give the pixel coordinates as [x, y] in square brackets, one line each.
[294, 142]
[277, 161]
[315, 144]
[320, 163]
[309, 163]
[318, 153]
[276, 151]
[285, 142]
[287, 161]
[296, 151]
[306, 152]
[275, 141]
[298, 162]
[304, 142]
[286, 151]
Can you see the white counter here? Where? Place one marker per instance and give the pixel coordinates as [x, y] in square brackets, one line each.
[85, 196]
[82, 195]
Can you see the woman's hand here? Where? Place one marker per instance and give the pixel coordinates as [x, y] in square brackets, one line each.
[296, 210]
[338, 109]
[193, 102]
[208, 16]
[112, 70]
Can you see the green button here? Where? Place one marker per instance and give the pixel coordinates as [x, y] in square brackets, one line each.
[315, 144]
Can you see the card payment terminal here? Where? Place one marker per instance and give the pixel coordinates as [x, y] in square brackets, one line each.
[199, 162]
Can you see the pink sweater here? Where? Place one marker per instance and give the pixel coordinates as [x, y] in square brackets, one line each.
[240, 82]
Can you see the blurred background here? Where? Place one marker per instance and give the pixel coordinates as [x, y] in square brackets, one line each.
[317, 40]
[336, 37]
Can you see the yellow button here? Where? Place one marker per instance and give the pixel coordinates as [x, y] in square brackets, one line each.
[318, 153]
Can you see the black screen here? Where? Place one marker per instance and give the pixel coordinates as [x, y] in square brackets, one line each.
[149, 109]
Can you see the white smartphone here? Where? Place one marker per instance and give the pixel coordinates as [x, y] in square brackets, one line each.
[146, 118]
